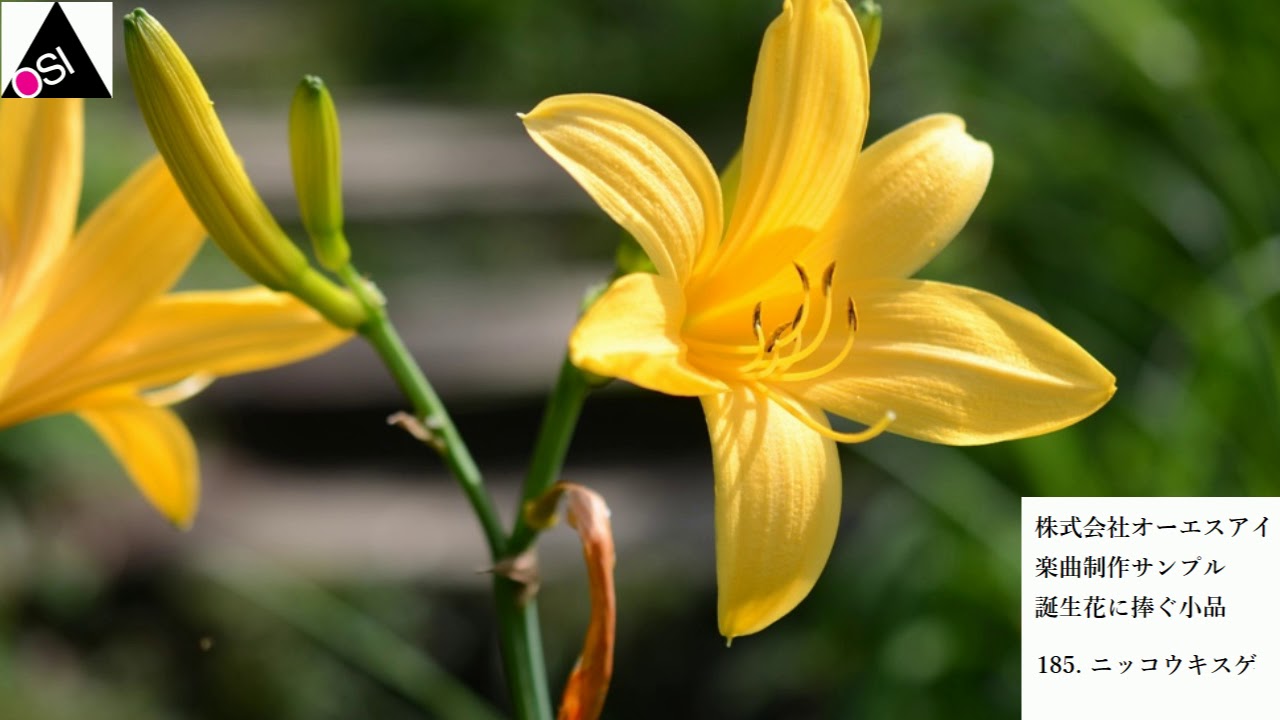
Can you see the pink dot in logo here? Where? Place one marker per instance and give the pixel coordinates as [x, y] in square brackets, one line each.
[26, 82]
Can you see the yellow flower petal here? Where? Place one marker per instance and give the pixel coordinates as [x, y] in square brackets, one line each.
[958, 366]
[134, 247]
[16, 119]
[777, 507]
[41, 149]
[805, 126]
[909, 195]
[220, 332]
[157, 451]
[633, 332]
[41, 144]
[645, 172]
[184, 334]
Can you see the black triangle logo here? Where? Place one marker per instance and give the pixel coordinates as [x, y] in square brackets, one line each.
[61, 62]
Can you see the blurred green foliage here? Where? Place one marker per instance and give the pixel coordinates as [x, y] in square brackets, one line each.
[1134, 204]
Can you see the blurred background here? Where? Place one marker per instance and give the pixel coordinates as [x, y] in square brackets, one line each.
[334, 571]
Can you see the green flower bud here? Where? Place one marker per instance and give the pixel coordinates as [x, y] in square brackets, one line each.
[186, 130]
[869, 19]
[316, 150]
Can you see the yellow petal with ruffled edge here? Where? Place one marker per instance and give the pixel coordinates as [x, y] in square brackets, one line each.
[633, 332]
[157, 451]
[641, 169]
[777, 507]
[958, 366]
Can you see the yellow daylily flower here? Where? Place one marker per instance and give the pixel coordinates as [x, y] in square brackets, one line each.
[86, 325]
[790, 298]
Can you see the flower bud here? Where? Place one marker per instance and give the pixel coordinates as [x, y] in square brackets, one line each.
[869, 19]
[180, 116]
[316, 150]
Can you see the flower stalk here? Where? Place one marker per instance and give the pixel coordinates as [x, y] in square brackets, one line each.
[428, 409]
[180, 117]
[518, 631]
[559, 422]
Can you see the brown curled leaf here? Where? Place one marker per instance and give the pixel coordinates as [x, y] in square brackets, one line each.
[588, 685]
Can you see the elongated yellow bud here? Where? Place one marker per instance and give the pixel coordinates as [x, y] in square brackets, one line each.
[869, 20]
[316, 150]
[187, 132]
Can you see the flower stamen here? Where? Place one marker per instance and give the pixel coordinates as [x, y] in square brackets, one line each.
[851, 316]
[179, 391]
[757, 329]
[828, 276]
[802, 313]
[775, 357]
[802, 351]
[787, 333]
[786, 403]
[777, 352]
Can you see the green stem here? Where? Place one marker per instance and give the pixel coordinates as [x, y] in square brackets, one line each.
[558, 425]
[519, 632]
[427, 407]
[518, 629]
[519, 615]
